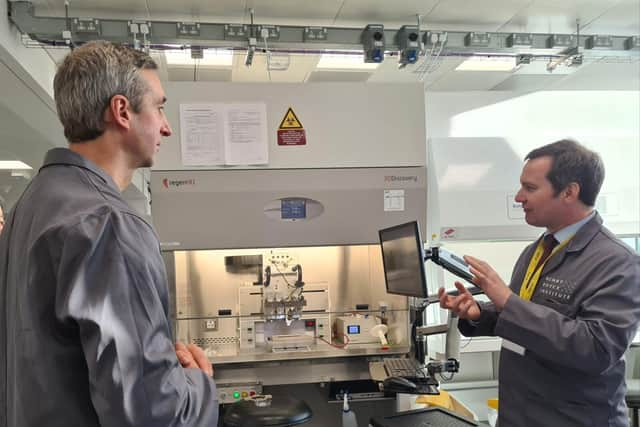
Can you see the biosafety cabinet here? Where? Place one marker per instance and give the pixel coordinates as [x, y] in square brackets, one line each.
[278, 265]
[284, 264]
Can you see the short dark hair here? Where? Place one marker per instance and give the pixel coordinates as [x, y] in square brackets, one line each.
[572, 162]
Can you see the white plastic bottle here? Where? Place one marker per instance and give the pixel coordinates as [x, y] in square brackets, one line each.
[348, 416]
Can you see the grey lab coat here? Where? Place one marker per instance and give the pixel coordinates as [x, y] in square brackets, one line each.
[84, 334]
[585, 313]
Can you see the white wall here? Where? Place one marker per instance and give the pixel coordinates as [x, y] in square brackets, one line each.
[26, 104]
[33, 65]
[606, 121]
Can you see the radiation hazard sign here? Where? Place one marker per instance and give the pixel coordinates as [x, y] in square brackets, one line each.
[291, 131]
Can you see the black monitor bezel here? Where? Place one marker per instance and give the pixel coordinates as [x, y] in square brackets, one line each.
[420, 249]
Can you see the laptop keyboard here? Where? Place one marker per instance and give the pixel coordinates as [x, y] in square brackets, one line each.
[402, 367]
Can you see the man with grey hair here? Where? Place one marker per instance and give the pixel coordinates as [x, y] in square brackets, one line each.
[85, 337]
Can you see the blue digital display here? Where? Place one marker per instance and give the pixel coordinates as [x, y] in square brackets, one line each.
[353, 329]
[293, 208]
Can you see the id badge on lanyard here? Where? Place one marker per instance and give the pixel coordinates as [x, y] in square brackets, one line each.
[535, 268]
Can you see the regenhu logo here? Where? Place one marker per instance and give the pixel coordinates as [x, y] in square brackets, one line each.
[176, 183]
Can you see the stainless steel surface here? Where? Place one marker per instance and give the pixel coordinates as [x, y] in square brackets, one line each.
[354, 275]
[264, 335]
[318, 351]
[337, 279]
[296, 371]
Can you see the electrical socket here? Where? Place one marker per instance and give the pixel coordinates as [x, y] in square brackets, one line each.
[211, 324]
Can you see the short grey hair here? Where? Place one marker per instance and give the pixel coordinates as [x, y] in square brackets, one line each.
[89, 77]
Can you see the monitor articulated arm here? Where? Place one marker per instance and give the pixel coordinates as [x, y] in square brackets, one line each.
[460, 268]
[452, 346]
[453, 263]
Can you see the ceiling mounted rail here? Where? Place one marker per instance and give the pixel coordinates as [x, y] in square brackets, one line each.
[174, 34]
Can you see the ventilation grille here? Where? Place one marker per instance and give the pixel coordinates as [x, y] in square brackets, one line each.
[204, 342]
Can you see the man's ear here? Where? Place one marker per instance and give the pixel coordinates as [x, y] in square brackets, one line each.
[571, 192]
[118, 112]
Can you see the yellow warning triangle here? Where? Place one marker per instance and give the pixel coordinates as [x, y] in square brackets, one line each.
[290, 121]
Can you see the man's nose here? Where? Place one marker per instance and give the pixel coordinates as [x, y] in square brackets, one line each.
[519, 198]
[166, 129]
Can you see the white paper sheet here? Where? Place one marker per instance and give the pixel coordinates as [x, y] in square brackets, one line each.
[393, 200]
[223, 134]
[202, 134]
[246, 141]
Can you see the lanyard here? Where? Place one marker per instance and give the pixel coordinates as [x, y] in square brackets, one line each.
[533, 274]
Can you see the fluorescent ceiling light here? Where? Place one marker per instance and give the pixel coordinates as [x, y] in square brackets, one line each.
[14, 165]
[212, 57]
[345, 62]
[487, 63]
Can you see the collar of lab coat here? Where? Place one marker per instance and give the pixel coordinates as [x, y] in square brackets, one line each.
[584, 235]
[64, 156]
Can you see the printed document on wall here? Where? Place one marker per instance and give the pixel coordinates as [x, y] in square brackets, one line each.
[246, 141]
[223, 134]
[202, 134]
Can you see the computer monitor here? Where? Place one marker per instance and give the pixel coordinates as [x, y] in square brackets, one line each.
[403, 260]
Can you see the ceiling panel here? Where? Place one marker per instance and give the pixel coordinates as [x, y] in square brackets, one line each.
[257, 72]
[299, 67]
[339, 76]
[114, 9]
[427, 70]
[389, 72]
[359, 13]
[468, 81]
[280, 12]
[621, 19]
[551, 16]
[490, 15]
[287, 12]
[528, 83]
[438, 68]
[605, 74]
[223, 11]
[201, 74]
